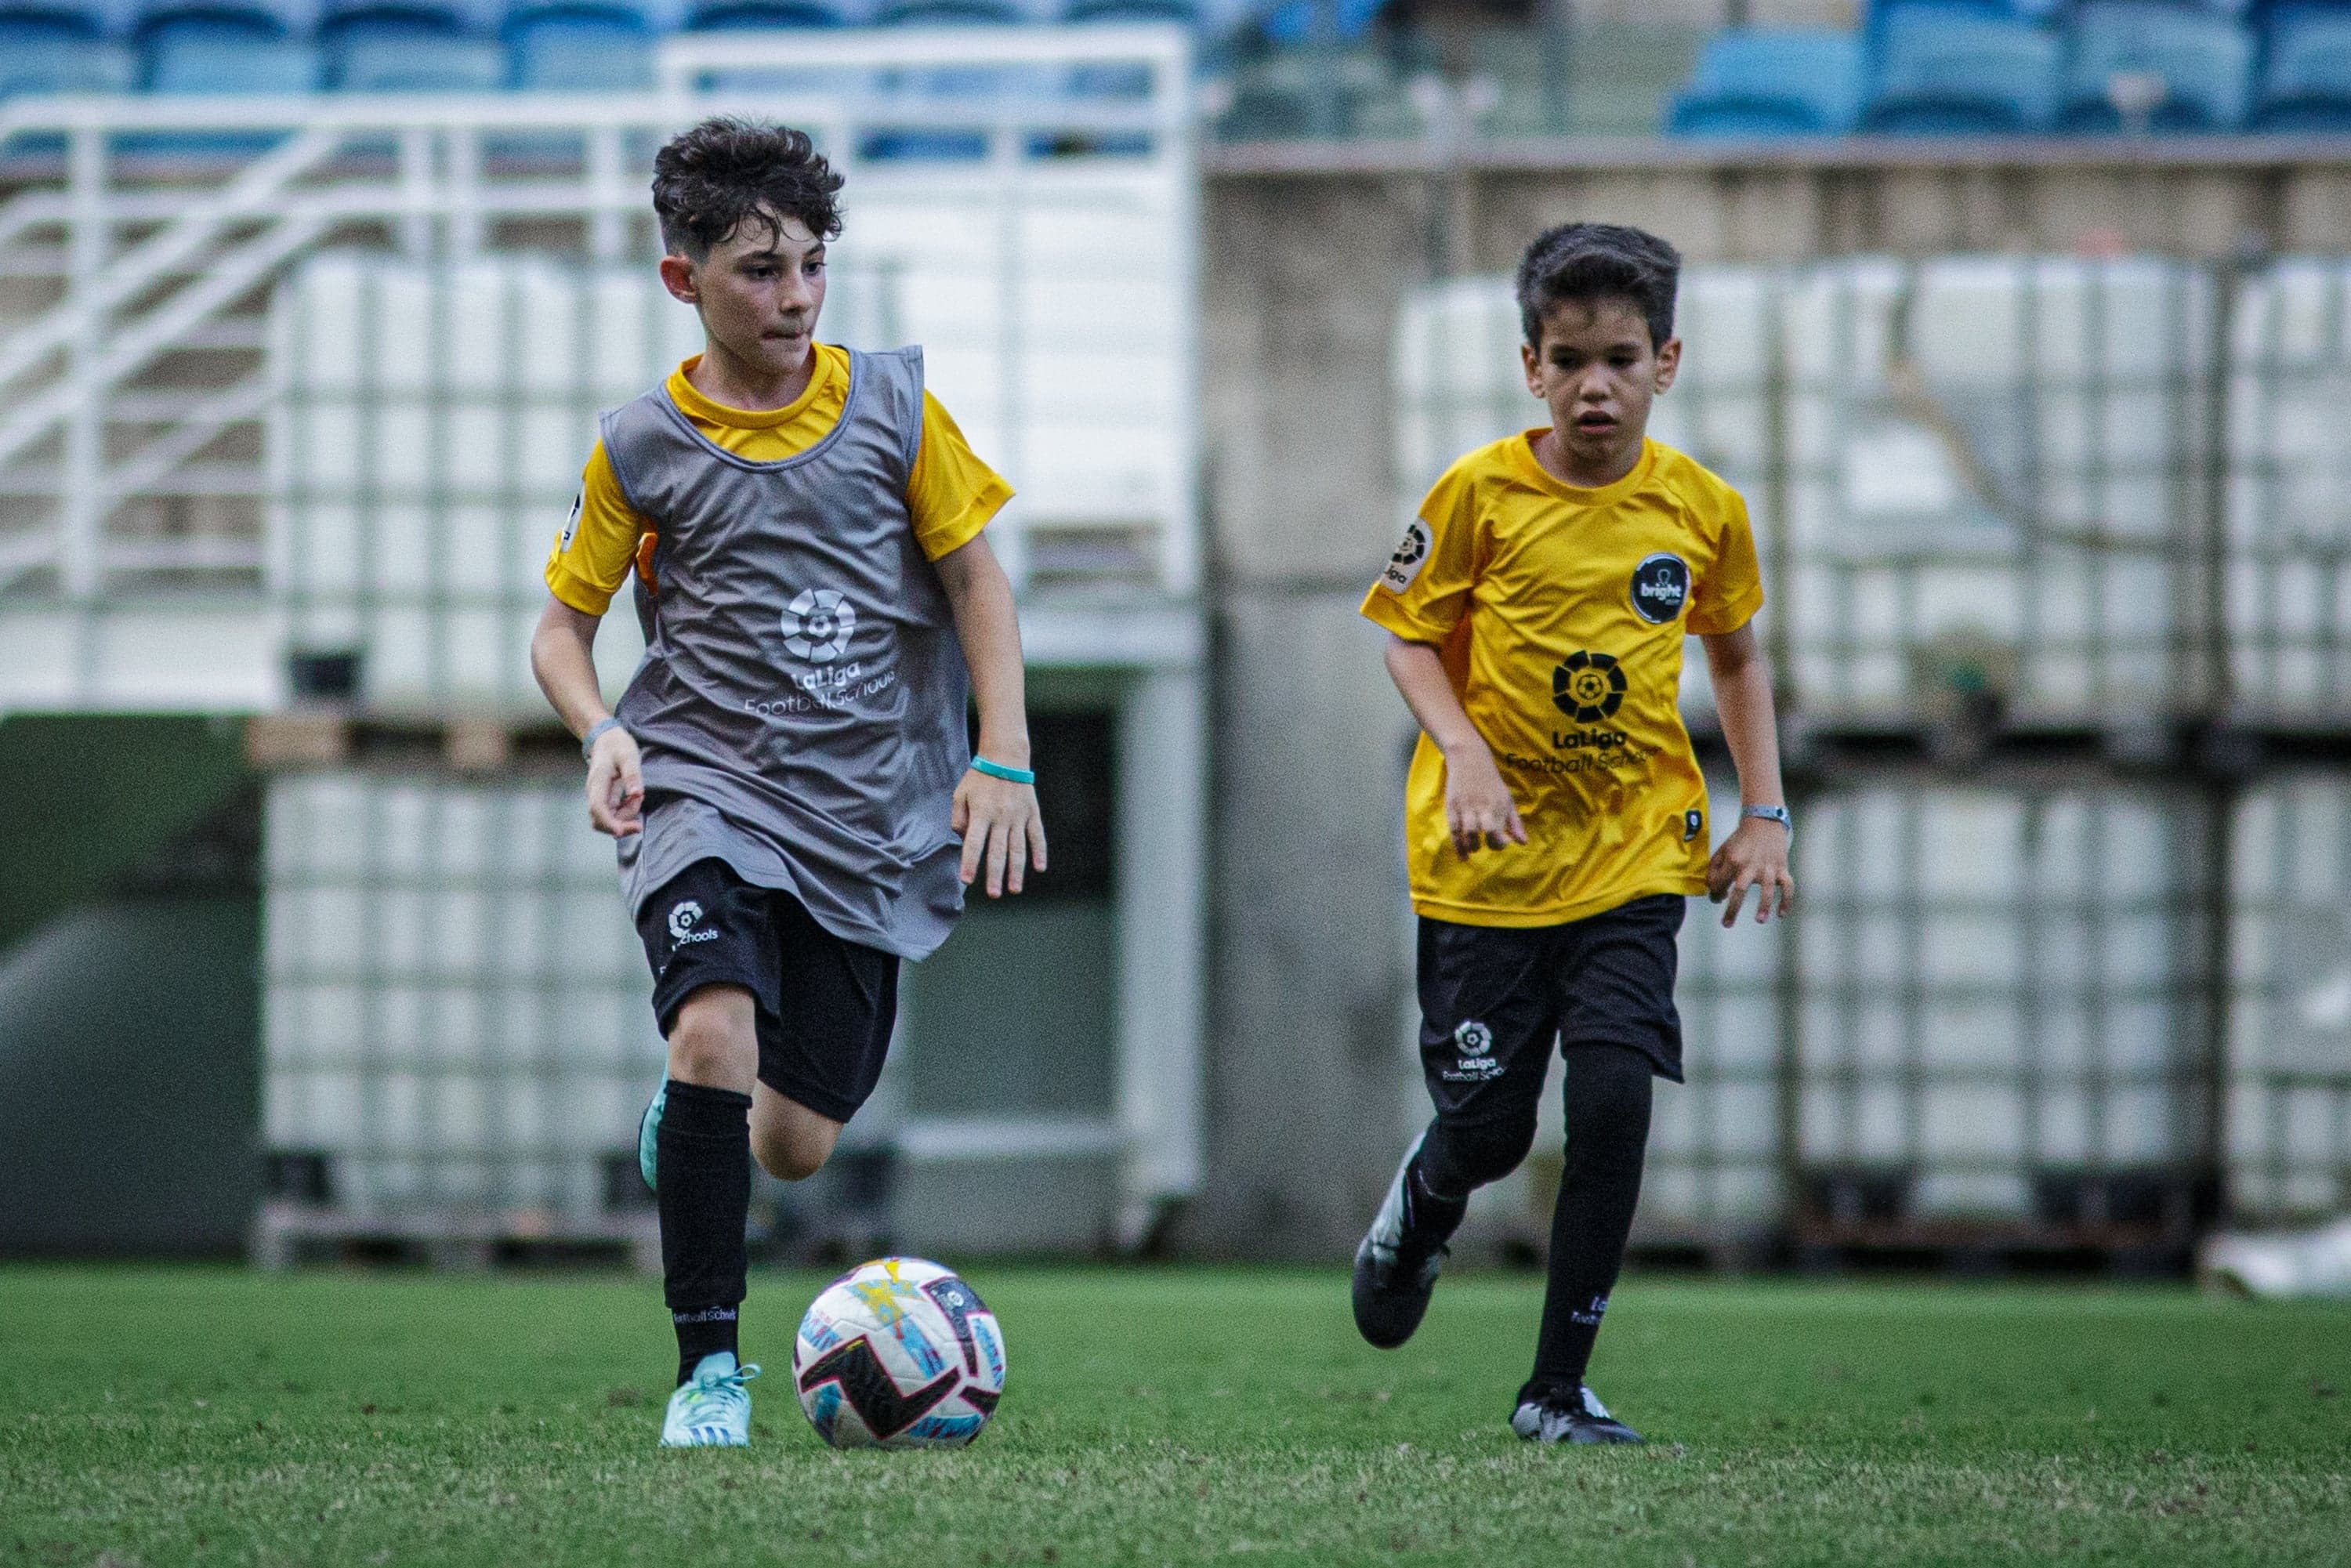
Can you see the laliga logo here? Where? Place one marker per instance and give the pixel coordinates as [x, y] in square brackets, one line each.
[1474, 1039]
[682, 917]
[818, 624]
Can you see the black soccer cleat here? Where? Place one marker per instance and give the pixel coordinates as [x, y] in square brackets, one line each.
[1396, 1271]
[1571, 1417]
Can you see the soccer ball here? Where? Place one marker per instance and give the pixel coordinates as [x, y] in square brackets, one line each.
[898, 1353]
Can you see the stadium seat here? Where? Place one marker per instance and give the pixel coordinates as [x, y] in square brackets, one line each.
[745, 16]
[55, 50]
[406, 45]
[1943, 72]
[1184, 13]
[579, 47]
[224, 50]
[1771, 82]
[948, 14]
[2306, 84]
[1295, 21]
[2204, 62]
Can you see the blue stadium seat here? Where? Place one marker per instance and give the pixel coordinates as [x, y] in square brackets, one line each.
[1943, 72]
[406, 45]
[579, 47]
[224, 50]
[187, 17]
[2205, 62]
[1771, 82]
[2306, 83]
[737, 15]
[949, 13]
[424, 62]
[1182, 12]
[55, 50]
[1295, 21]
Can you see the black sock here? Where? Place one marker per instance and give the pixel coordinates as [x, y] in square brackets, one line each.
[1432, 1218]
[703, 1154]
[1608, 1094]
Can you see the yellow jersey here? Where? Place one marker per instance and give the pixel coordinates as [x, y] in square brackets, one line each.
[1560, 613]
[951, 494]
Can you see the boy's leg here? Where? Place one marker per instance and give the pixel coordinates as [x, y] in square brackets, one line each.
[822, 1050]
[1608, 1100]
[1621, 1030]
[708, 940]
[791, 1142]
[1487, 1021]
[703, 1150]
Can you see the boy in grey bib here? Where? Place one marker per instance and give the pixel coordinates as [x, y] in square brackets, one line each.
[788, 776]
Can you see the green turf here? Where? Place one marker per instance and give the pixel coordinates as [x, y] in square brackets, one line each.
[156, 1416]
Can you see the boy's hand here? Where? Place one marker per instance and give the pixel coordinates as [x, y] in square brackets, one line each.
[616, 785]
[1478, 805]
[1001, 829]
[1755, 856]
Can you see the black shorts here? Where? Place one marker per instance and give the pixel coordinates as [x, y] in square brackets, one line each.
[1494, 997]
[826, 1005]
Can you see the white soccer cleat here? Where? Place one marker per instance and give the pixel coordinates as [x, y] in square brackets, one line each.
[712, 1409]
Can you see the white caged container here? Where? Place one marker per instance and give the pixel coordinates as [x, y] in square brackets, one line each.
[2289, 1031]
[454, 1004]
[1990, 467]
[1999, 985]
[2288, 520]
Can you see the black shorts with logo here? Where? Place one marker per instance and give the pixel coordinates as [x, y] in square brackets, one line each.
[826, 1005]
[1493, 999]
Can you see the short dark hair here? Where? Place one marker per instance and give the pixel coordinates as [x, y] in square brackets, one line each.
[1599, 261]
[724, 172]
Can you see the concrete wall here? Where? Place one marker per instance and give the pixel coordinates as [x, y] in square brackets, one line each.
[1307, 251]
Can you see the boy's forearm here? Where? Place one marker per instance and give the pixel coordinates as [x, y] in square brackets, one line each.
[1742, 699]
[1420, 676]
[563, 658]
[987, 623]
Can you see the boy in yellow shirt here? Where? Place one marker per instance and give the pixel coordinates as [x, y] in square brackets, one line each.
[1556, 816]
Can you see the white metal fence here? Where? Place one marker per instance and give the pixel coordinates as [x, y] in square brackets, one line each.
[1040, 209]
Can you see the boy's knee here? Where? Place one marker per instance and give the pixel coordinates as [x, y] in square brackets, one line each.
[1466, 1156]
[1609, 1090]
[791, 1153]
[710, 1045]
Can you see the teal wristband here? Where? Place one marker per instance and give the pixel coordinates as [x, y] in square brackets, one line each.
[998, 770]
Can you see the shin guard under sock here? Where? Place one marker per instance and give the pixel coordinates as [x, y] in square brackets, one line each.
[703, 1154]
[1608, 1098]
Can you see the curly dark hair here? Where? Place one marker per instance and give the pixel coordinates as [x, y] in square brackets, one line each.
[1588, 262]
[724, 172]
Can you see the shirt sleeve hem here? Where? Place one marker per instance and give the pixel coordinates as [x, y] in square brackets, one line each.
[581, 595]
[1731, 617]
[1380, 607]
[976, 513]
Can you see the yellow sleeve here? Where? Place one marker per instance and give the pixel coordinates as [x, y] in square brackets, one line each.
[1424, 590]
[592, 555]
[951, 494]
[1732, 592]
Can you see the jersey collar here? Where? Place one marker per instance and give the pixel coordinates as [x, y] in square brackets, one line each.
[1522, 457]
[693, 405]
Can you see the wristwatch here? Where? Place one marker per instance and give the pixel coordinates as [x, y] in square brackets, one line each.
[1772, 814]
[595, 732]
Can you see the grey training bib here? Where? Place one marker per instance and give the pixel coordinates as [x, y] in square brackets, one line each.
[801, 703]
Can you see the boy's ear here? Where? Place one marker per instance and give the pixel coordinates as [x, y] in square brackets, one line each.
[677, 276]
[1532, 362]
[1669, 363]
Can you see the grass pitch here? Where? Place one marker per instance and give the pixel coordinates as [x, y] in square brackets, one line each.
[153, 1416]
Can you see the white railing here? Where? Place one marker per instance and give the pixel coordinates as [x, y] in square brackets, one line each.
[150, 230]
